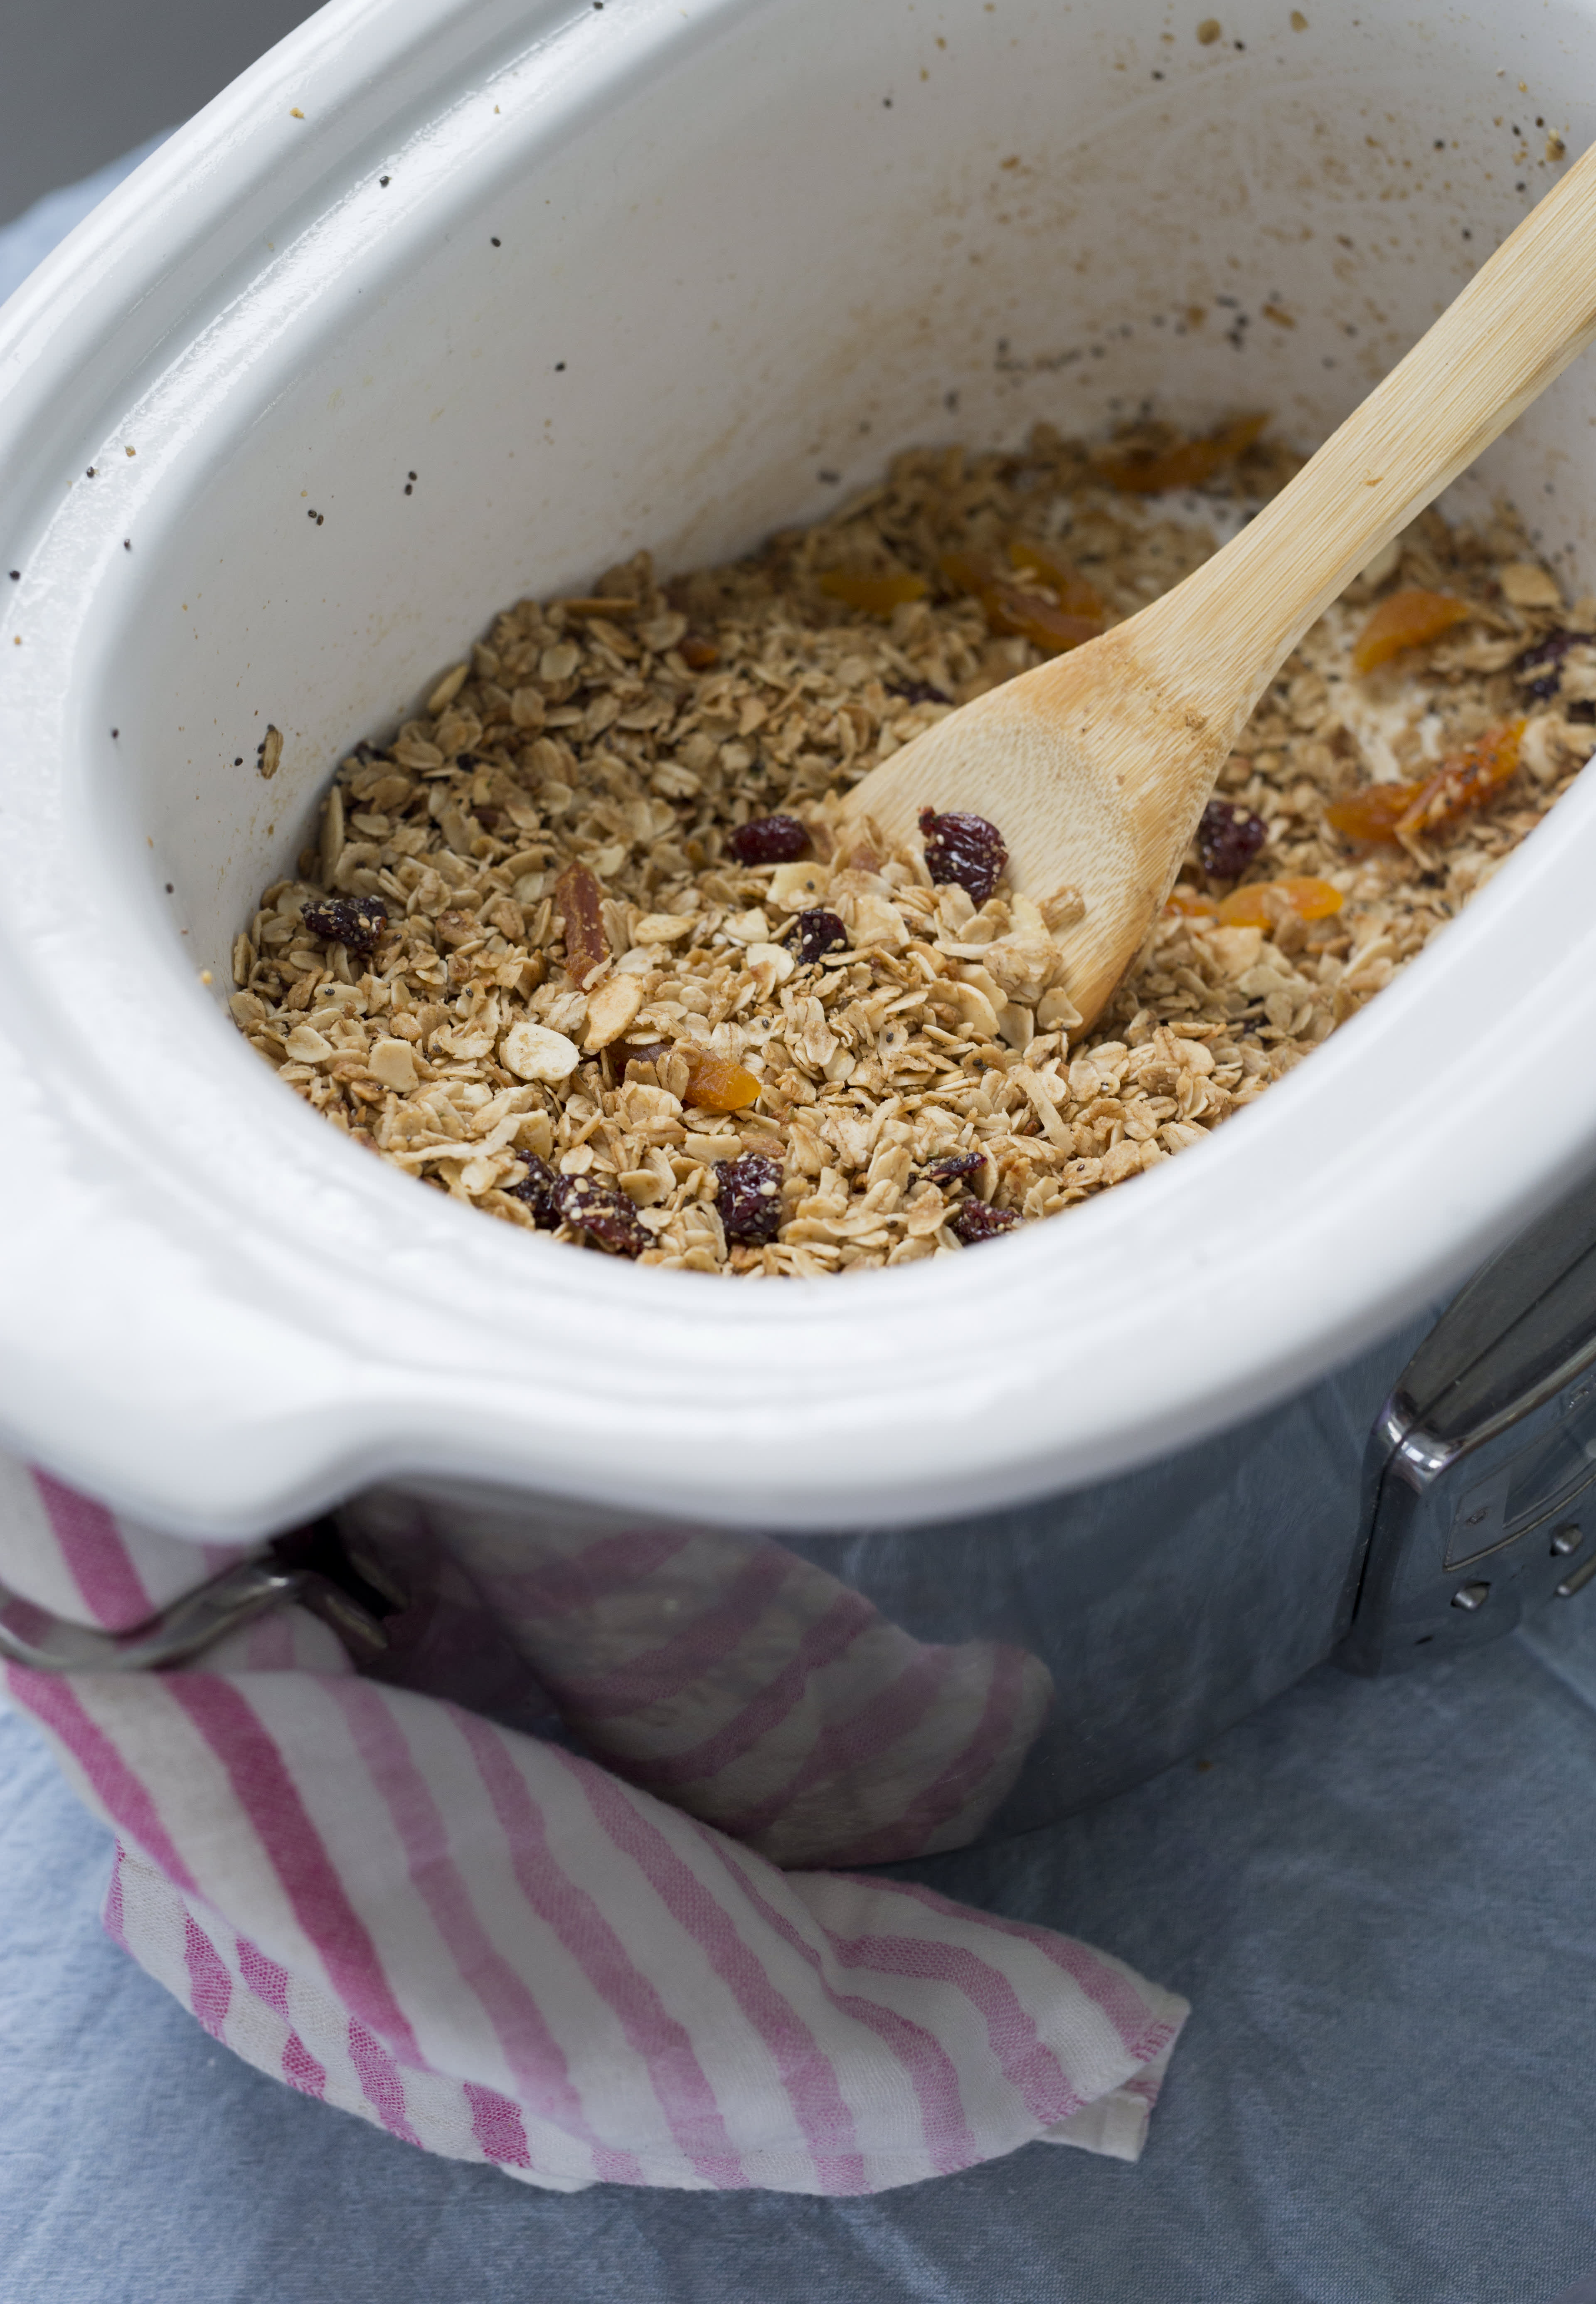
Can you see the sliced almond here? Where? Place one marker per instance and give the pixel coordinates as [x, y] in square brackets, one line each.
[447, 689]
[534, 1053]
[612, 1008]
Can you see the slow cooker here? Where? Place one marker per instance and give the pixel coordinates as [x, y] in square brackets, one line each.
[450, 300]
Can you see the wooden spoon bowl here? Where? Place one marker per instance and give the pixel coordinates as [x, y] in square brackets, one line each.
[1095, 766]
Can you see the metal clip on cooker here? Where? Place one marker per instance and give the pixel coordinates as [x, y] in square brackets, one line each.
[1482, 1457]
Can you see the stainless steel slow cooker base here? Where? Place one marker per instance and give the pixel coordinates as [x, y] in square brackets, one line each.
[1411, 1504]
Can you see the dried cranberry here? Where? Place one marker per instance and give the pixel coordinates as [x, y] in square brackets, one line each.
[966, 848]
[973, 1221]
[749, 1195]
[769, 840]
[601, 1211]
[958, 1164]
[1549, 652]
[536, 1188]
[819, 932]
[1228, 838]
[356, 922]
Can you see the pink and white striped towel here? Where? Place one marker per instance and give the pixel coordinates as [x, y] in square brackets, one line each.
[502, 1950]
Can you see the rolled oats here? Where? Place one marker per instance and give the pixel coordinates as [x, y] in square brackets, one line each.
[525, 963]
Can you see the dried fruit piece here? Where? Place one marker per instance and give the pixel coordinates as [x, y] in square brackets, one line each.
[749, 1195]
[696, 653]
[1264, 903]
[1548, 654]
[973, 1221]
[1147, 472]
[1310, 898]
[578, 899]
[1010, 608]
[1191, 904]
[965, 849]
[637, 1052]
[769, 840]
[1464, 780]
[1070, 588]
[356, 922]
[536, 1188]
[917, 691]
[1228, 837]
[956, 1164]
[603, 1211]
[1407, 619]
[1372, 814]
[819, 932]
[714, 1083]
[875, 595]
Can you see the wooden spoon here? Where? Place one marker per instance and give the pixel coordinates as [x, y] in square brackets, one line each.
[1095, 766]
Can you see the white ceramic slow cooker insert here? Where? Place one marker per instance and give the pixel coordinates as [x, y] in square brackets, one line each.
[666, 275]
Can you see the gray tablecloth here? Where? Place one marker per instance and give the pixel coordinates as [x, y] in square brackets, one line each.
[1380, 1896]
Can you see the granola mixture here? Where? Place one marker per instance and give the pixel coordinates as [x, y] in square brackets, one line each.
[553, 957]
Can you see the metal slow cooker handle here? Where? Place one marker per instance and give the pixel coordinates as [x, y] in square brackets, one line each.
[314, 1566]
[1483, 1457]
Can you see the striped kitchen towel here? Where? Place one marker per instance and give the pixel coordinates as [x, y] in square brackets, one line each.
[500, 1949]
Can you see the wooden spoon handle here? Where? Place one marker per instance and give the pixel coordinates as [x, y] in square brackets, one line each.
[1528, 312]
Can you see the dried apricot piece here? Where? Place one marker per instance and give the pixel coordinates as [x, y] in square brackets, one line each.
[1463, 780]
[1063, 579]
[714, 1083]
[1148, 472]
[1264, 903]
[1010, 608]
[966, 572]
[1372, 814]
[1190, 904]
[877, 594]
[1407, 619]
[1311, 899]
